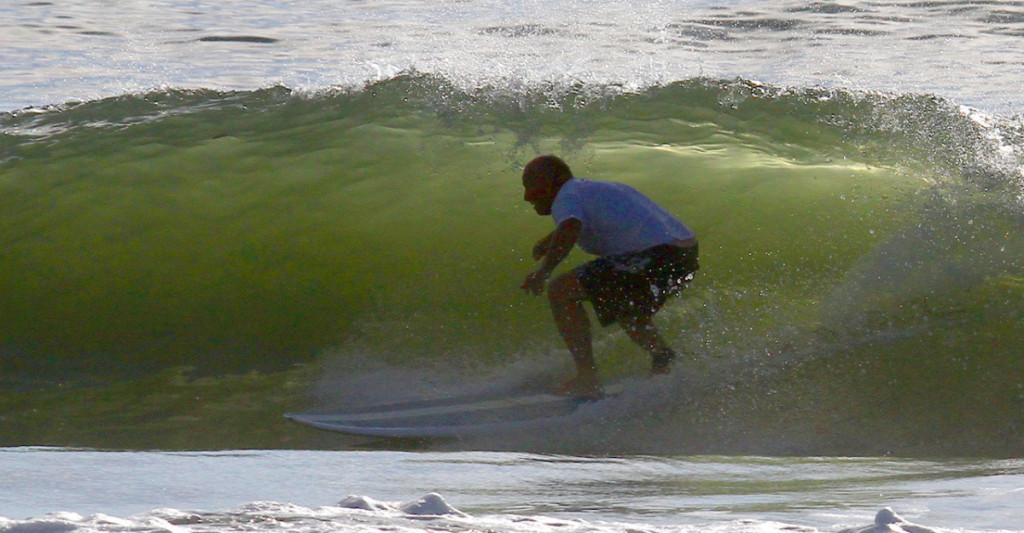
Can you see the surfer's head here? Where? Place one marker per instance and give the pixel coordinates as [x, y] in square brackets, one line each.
[542, 179]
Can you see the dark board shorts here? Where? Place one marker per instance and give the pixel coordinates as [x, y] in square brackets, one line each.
[636, 284]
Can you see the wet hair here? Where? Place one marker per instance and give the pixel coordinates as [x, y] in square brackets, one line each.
[551, 166]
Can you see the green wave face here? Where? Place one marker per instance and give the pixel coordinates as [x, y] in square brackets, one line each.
[853, 246]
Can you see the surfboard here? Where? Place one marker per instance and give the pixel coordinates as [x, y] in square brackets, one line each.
[449, 417]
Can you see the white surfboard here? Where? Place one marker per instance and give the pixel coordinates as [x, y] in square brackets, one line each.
[448, 417]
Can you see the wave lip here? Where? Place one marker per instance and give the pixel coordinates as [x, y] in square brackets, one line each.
[99, 52]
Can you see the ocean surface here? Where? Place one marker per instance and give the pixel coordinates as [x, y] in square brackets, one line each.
[214, 213]
[371, 491]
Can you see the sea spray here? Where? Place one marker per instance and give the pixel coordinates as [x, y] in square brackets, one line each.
[854, 245]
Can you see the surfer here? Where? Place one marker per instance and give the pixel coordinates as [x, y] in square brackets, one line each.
[644, 255]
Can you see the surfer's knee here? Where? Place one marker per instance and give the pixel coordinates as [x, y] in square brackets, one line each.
[564, 289]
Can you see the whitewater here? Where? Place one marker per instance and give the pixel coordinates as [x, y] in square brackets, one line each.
[212, 214]
[316, 491]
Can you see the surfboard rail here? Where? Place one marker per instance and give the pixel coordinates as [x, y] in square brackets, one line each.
[447, 417]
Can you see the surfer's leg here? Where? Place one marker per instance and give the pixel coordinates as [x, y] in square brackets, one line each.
[567, 297]
[641, 330]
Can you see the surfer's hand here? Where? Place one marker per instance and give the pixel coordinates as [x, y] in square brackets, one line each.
[541, 248]
[534, 282]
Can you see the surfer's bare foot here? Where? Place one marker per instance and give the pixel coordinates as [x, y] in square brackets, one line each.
[662, 362]
[582, 386]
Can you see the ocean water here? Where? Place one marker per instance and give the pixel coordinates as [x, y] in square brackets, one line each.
[216, 213]
[366, 491]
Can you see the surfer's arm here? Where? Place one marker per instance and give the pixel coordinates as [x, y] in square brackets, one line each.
[541, 248]
[553, 248]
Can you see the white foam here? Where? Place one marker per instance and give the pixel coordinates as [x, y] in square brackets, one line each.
[432, 504]
[887, 521]
[363, 503]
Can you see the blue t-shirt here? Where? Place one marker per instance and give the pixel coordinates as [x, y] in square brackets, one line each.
[616, 218]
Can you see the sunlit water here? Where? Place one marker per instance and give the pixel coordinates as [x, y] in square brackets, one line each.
[58, 51]
[861, 293]
[277, 490]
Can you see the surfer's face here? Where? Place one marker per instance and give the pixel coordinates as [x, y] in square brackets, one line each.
[540, 191]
